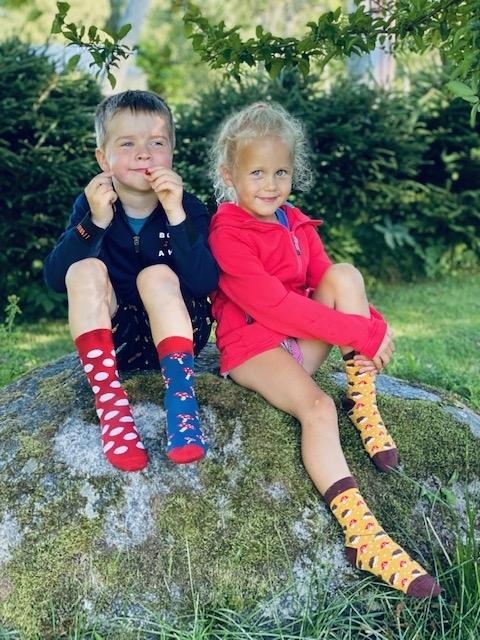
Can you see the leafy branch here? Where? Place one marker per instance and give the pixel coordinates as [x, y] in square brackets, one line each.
[102, 44]
[451, 26]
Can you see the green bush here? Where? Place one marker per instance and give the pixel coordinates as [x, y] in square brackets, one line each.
[385, 205]
[46, 158]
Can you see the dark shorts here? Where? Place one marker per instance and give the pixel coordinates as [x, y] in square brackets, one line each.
[132, 336]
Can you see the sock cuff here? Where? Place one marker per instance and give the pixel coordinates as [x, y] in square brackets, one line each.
[339, 487]
[86, 339]
[174, 344]
[349, 355]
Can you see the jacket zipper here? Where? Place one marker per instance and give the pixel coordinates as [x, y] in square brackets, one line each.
[298, 252]
[136, 238]
[296, 245]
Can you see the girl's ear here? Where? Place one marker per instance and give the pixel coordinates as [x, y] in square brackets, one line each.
[102, 160]
[226, 175]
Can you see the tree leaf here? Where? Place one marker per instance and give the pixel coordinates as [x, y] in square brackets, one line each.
[473, 114]
[111, 79]
[459, 88]
[73, 61]
[123, 31]
[275, 68]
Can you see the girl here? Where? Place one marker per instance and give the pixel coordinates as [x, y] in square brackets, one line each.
[281, 305]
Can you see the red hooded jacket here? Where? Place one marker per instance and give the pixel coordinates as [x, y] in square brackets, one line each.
[266, 271]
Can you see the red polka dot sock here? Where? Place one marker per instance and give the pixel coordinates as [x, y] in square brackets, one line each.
[120, 439]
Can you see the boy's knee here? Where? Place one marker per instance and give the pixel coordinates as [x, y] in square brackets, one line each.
[90, 272]
[157, 276]
[345, 274]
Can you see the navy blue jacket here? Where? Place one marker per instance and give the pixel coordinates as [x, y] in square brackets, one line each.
[182, 247]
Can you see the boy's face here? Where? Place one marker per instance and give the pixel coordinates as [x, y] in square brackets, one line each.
[135, 142]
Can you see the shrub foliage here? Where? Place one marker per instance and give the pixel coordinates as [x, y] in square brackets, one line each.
[396, 176]
[46, 158]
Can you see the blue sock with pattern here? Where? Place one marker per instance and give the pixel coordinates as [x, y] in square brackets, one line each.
[185, 440]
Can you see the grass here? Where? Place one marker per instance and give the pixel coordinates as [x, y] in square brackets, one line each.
[437, 333]
[28, 346]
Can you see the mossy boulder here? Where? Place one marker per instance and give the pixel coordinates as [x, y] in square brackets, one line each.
[237, 530]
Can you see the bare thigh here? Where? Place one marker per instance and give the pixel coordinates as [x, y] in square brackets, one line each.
[314, 352]
[280, 379]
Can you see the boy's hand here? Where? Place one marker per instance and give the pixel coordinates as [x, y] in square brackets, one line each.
[380, 359]
[101, 196]
[168, 186]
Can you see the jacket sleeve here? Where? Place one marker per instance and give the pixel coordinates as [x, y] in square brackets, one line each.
[194, 262]
[81, 239]
[244, 280]
[319, 259]
[320, 262]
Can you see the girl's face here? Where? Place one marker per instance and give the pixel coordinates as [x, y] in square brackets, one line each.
[262, 176]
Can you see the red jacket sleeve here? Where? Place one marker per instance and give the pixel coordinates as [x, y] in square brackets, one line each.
[319, 259]
[244, 280]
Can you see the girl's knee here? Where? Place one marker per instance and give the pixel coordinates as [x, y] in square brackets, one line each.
[344, 274]
[320, 411]
[159, 278]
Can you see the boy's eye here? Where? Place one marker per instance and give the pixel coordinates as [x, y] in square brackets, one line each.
[127, 143]
[158, 143]
[257, 172]
[281, 172]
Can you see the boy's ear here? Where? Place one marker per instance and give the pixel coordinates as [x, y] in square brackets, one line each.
[102, 160]
[226, 175]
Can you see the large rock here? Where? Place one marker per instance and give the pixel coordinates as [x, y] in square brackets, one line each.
[244, 528]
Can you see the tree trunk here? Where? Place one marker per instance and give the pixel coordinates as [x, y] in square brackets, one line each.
[378, 66]
[128, 75]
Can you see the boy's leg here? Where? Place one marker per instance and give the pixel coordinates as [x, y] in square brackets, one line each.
[91, 302]
[172, 334]
[286, 385]
[342, 288]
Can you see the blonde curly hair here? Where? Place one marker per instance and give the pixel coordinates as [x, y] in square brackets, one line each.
[256, 121]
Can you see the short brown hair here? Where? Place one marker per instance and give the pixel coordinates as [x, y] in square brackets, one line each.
[134, 101]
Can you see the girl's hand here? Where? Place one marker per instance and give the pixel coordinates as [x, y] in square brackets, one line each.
[168, 186]
[101, 196]
[385, 351]
[366, 365]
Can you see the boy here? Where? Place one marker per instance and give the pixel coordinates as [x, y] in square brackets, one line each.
[136, 267]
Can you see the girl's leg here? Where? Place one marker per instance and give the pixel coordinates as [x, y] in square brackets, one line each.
[91, 303]
[277, 377]
[285, 384]
[159, 289]
[342, 288]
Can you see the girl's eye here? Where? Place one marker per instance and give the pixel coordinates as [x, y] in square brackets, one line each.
[157, 143]
[126, 144]
[281, 173]
[257, 172]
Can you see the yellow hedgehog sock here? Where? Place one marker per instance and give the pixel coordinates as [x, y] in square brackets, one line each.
[368, 547]
[361, 406]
